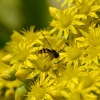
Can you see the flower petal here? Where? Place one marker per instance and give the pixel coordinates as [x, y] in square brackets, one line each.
[78, 22]
[95, 8]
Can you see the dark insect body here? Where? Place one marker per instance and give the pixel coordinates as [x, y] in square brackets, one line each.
[51, 52]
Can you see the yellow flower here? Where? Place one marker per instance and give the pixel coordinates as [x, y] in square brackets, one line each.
[40, 88]
[72, 56]
[87, 7]
[90, 79]
[86, 87]
[91, 42]
[81, 95]
[51, 42]
[32, 36]
[16, 37]
[44, 66]
[93, 55]
[70, 73]
[23, 55]
[91, 38]
[94, 37]
[65, 21]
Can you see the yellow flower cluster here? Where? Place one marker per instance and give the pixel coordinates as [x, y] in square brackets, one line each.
[62, 62]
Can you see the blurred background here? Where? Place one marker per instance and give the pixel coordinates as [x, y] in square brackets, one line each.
[19, 14]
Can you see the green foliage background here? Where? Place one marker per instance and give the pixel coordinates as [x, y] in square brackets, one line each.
[19, 14]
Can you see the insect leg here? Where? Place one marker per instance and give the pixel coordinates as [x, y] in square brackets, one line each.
[43, 58]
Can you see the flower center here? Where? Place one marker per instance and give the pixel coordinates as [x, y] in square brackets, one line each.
[65, 21]
[45, 65]
[22, 56]
[74, 53]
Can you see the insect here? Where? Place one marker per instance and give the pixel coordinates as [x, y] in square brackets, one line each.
[51, 52]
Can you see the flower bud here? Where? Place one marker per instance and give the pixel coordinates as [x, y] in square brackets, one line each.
[9, 74]
[22, 74]
[53, 12]
[56, 95]
[6, 59]
[9, 94]
[20, 93]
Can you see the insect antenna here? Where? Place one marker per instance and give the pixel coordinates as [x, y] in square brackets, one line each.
[46, 40]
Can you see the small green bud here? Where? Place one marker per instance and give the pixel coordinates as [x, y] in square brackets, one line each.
[20, 93]
[6, 59]
[22, 74]
[9, 74]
